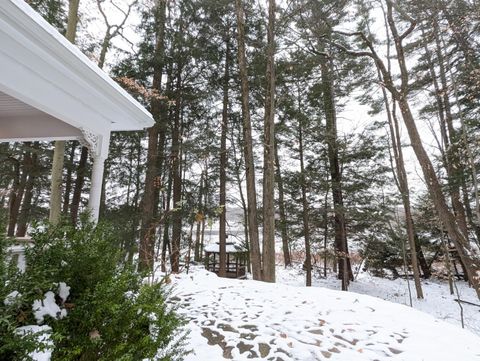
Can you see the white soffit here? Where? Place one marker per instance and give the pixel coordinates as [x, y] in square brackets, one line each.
[22, 122]
[41, 68]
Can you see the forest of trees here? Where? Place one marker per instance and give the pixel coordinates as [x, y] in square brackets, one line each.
[340, 128]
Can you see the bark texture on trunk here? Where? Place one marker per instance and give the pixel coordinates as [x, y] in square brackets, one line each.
[177, 180]
[268, 250]
[223, 164]
[344, 269]
[148, 231]
[68, 182]
[470, 259]
[59, 151]
[77, 190]
[21, 183]
[305, 210]
[57, 180]
[462, 245]
[402, 184]
[24, 215]
[281, 208]
[468, 255]
[199, 219]
[248, 147]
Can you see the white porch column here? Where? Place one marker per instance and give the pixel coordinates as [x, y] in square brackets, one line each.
[99, 150]
[96, 187]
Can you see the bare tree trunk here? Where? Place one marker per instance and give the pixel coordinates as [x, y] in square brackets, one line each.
[325, 234]
[223, 164]
[27, 199]
[19, 191]
[344, 269]
[427, 273]
[268, 250]
[77, 190]
[177, 180]
[454, 171]
[282, 211]
[72, 20]
[466, 253]
[166, 245]
[248, 146]
[402, 184]
[68, 182]
[238, 165]
[131, 245]
[401, 178]
[451, 139]
[56, 187]
[305, 212]
[12, 197]
[205, 202]
[147, 235]
[199, 218]
[59, 151]
[467, 146]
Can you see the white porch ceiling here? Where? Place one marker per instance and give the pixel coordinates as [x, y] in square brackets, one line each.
[39, 67]
[22, 122]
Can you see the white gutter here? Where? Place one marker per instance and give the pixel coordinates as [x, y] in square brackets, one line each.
[39, 53]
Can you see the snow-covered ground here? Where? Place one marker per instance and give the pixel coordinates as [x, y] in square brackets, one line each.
[233, 319]
[438, 302]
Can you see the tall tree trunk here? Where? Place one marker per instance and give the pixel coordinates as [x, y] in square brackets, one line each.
[27, 199]
[199, 218]
[12, 197]
[325, 234]
[344, 269]
[401, 178]
[466, 253]
[402, 184]
[148, 231]
[132, 248]
[454, 170]
[462, 245]
[177, 180]
[59, 151]
[451, 140]
[166, 244]
[77, 190]
[268, 250]
[305, 206]
[281, 207]
[20, 190]
[223, 164]
[466, 145]
[237, 168]
[72, 20]
[68, 182]
[205, 205]
[248, 146]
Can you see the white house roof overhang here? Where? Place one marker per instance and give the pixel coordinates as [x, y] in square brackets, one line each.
[49, 90]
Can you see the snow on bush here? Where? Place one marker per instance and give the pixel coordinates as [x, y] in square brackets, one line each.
[47, 307]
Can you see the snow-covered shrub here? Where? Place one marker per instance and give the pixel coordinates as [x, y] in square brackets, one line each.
[96, 306]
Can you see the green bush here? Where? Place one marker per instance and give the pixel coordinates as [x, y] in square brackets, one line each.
[383, 254]
[12, 345]
[111, 313]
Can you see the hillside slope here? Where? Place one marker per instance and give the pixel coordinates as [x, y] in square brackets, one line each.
[239, 320]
